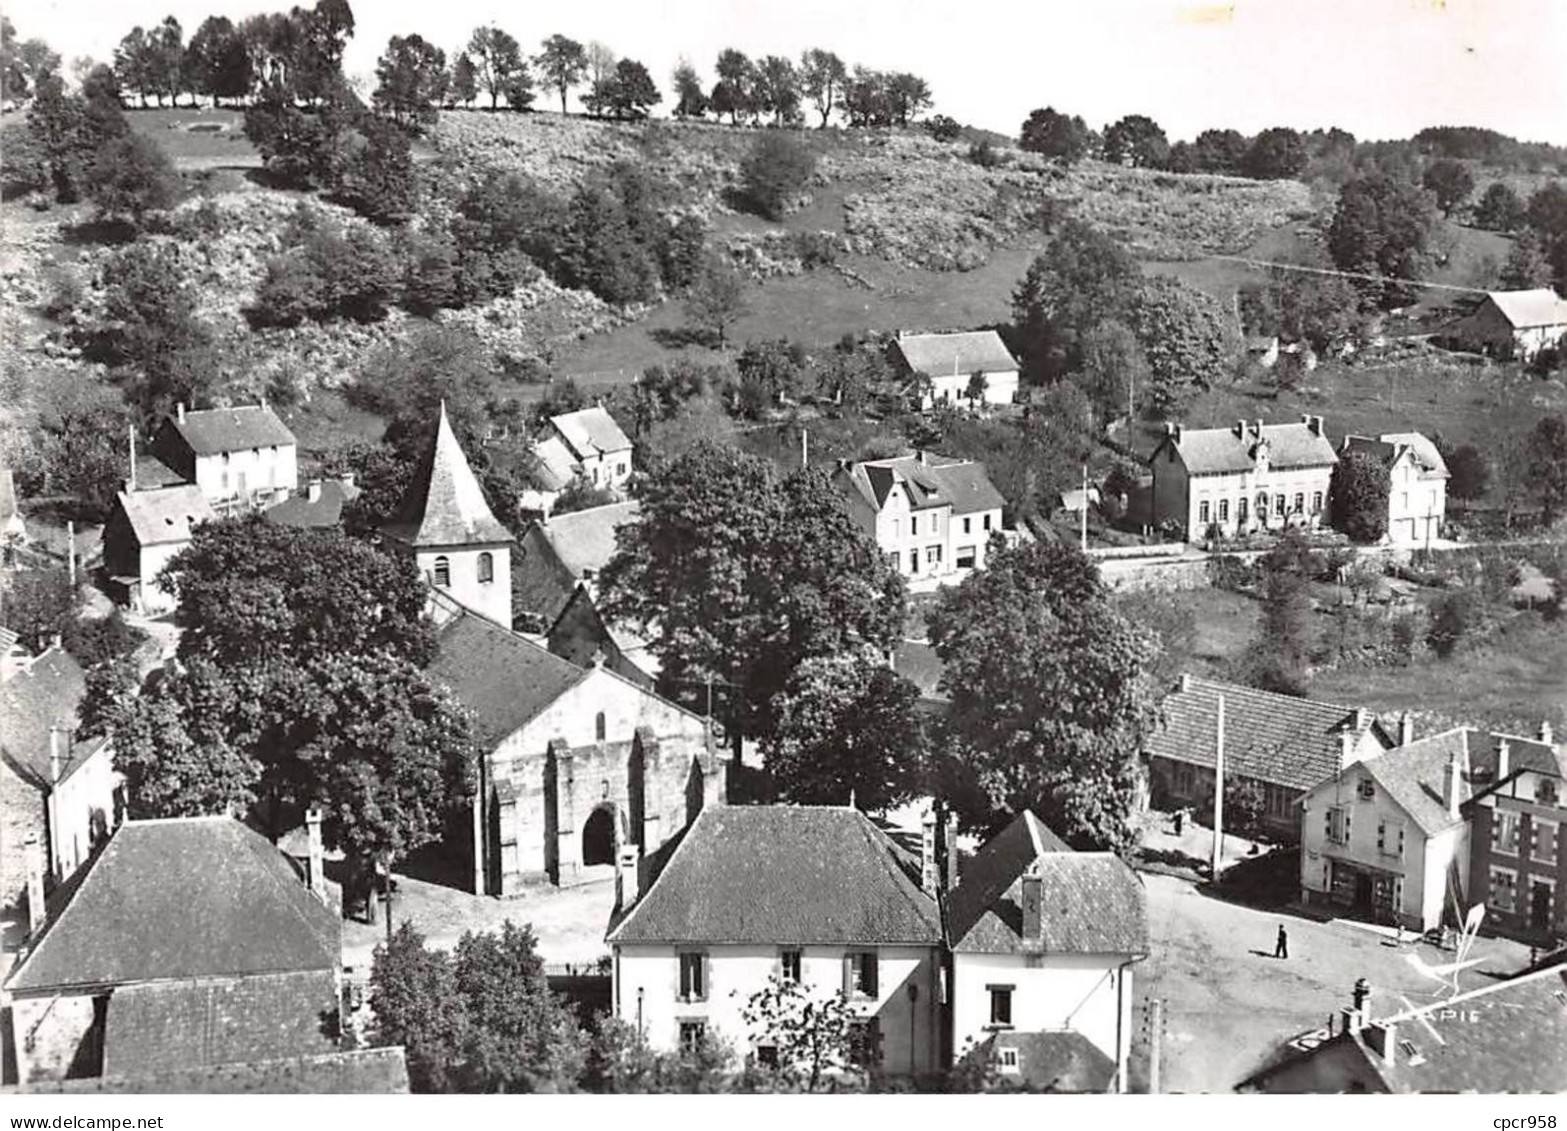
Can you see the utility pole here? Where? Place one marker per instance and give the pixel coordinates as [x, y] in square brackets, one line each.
[1085, 509]
[70, 551]
[805, 449]
[1155, 1043]
[1218, 795]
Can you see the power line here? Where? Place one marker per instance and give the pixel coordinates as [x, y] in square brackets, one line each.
[1347, 274]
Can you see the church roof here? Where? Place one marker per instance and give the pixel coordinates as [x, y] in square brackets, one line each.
[445, 506]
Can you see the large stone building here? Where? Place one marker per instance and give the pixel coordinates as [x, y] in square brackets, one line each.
[1249, 477]
[448, 529]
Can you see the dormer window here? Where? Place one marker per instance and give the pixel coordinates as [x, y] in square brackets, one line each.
[1546, 793]
[1368, 789]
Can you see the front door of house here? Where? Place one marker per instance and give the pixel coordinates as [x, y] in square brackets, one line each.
[1363, 891]
[1540, 907]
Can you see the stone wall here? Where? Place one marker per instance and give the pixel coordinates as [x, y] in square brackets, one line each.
[21, 817]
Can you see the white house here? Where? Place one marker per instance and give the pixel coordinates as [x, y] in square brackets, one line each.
[1385, 837]
[952, 361]
[145, 530]
[1515, 323]
[1043, 944]
[240, 457]
[817, 896]
[1417, 492]
[932, 515]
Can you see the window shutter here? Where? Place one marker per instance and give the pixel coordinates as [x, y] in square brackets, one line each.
[703, 966]
[848, 975]
[872, 989]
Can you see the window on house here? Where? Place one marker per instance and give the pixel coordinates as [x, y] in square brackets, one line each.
[1240, 509]
[914, 561]
[1300, 503]
[914, 525]
[1504, 890]
[965, 557]
[1278, 505]
[987, 522]
[789, 965]
[1202, 512]
[692, 1034]
[443, 571]
[1009, 1060]
[486, 568]
[967, 522]
[1403, 500]
[1001, 1006]
[865, 1041]
[693, 976]
[1390, 838]
[1338, 825]
[1262, 504]
[860, 972]
[1504, 833]
[1316, 502]
[600, 727]
[932, 555]
[1543, 839]
[1368, 789]
[1545, 791]
[1224, 510]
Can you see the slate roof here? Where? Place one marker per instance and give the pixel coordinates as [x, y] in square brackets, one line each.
[1092, 902]
[940, 355]
[326, 510]
[1278, 739]
[445, 506]
[165, 514]
[1415, 776]
[932, 480]
[506, 680]
[153, 472]
[43, 694]
[1388, 449]
[590, 432]
[554, 556]
[164, 1027]
[1209, 451]
[554, 466]
[1427, 458]
[380, 1071]
[782, 874]
[188, 897]
[1057, 1061]
[211, 430]
[1525, 309]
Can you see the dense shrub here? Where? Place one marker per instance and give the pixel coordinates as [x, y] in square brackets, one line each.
[775, 173]
[1452, 618]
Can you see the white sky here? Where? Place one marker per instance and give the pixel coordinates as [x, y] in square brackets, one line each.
[1379, 68]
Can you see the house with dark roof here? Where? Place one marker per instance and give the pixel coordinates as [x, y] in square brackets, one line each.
[952, 361]
[558, 553]
[1514, 323]
[240, 457]
[600, 451]
[446, 526]
[1417, 490]
[1518, 850]
[318, 505]
[1241, 479]
[818, 896]
[578, 762]
[186, 942]
[932, 515]
[60, 795]
[145, 530]
[1501, 1037]
[1286, 745]
[1385, 838]
[1043, 940]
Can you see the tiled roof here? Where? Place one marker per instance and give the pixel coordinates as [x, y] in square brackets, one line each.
[42, 695]
[554, 556]
[382, 1071]
[445, 506]
[211, 430]
[1278, 739]
[780, 874]
[931, 480]
[941, 355]
[1058, 1061]
[325, 510]
[1216, 450]
[167, 1026]
[504, 679]
[189, 897]
[165, 514]
[1092, 903]
[590, 432]
[1415, 776]
[1524, 309]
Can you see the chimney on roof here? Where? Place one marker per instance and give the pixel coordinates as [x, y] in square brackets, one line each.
[628, 877]
[1186, 681]
[313, 490]
[1240, 429]
[1362, 719]
[1355, 1012]
[1346, 748]
[179, 412]
[1033, 898]
[924, 457]
[1545, 734]
[1382, 1038]
[930, 867]
[315, 855]
[949, 851]
[1453, 785]
[55, 757]
[1503, 752]
[1259, 429]
[1406, 729]
[347, 480]
[33, 857]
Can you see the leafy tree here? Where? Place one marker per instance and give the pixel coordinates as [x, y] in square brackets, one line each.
[1547, 456]
[112, 686]
[1083, 278]
[810, 1037]
[599, 251]
[1245, 806]
[377, 179]
[1358, 496]
[1186, 339]
[1500, 208]
[411, 81]
[774, 369]
[1114, 368]
[1050, 694]
[1321, 310]
[499, 66]
[38, 604]
[746, 576]
[1275, 154]
[775, 171]
[690, 98]
[563, 63]
[683, 251]
[167, 46]
[1055, 135]
[734, 93]
[620, 1061]
[867, 101]
[135, 63]
[716, 299]
[944, 128]
[822, 79]
[1137, 140]
[908, 97]
[632, 93]
[1450, 182]
[320, 35]
[1277, 660]
[1528, 265]
[216, 63]
[415, 1003]
[80, 431]
[1452, 618]
[464, 86]
[95, 641]
[132, 176]
[1469, 474]
[778, 89]
[848, 726]
[1220, 151]
[1383, 226]
[23, 66]
[68, 132]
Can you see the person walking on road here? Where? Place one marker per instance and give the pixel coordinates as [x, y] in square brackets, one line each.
[1281, 949]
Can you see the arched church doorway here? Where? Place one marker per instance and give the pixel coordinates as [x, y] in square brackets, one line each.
[599, 836]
